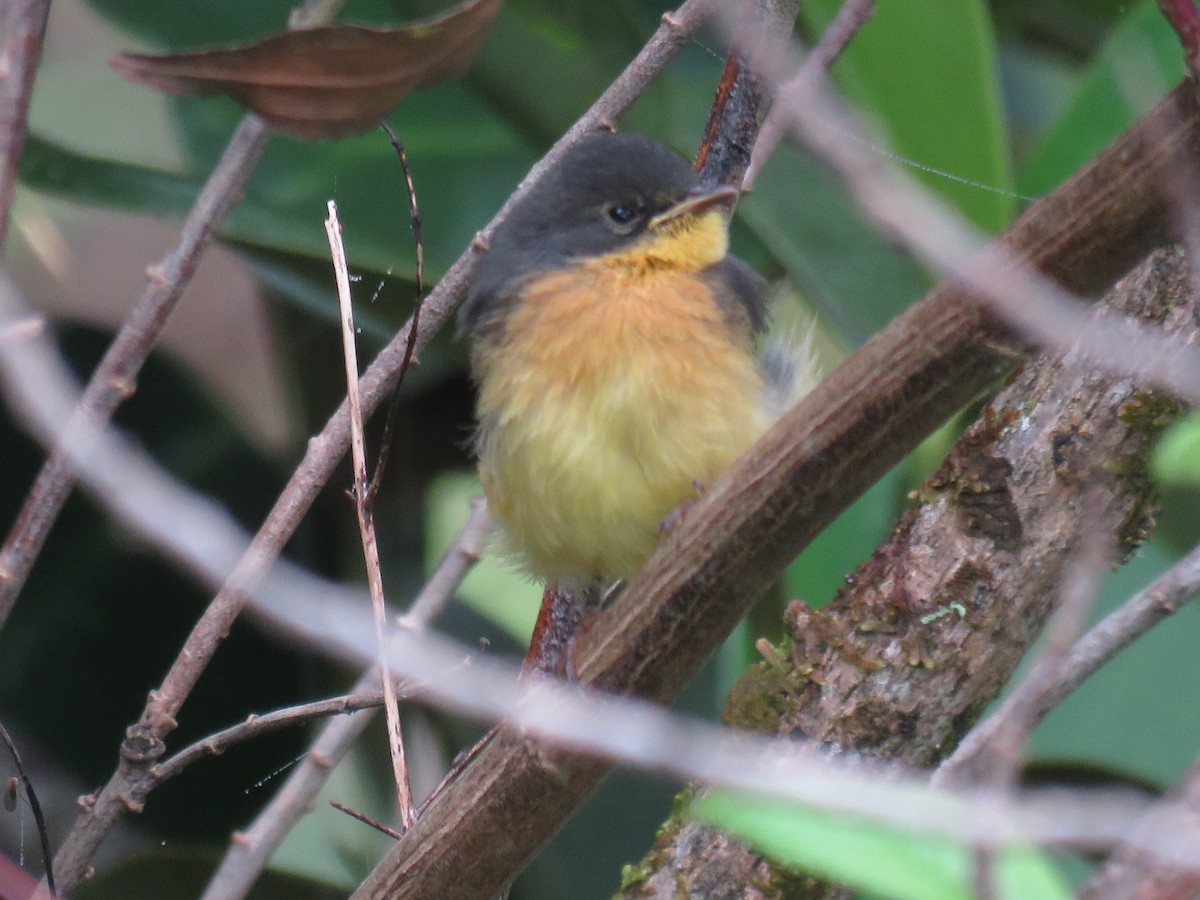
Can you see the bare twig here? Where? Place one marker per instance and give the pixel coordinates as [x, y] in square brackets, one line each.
[366, 521]
[1133, 874]
[35, 807]
[249, 852]
[850, 19]
[1029, 303]
[22, 26]
[414, 218]
[251, 849]
[115, 378]
[1163, 597]
[463, 553]
[264, 723]
[323, 453]
[150, 502]
[366, 820]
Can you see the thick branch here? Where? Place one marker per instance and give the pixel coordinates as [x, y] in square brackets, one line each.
[930, 629]
[736, 540]
[1165, 596]
[742, 95]
[126, 788]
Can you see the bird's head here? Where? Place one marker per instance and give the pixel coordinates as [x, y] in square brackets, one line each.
[619, 198]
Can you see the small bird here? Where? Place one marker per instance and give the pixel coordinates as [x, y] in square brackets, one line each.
[613, 344]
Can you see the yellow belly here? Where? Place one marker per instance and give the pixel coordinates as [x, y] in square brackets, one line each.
[597, 418]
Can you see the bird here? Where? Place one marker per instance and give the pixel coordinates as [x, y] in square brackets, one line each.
[612, 340]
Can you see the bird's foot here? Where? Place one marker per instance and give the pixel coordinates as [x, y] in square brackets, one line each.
[672, 520]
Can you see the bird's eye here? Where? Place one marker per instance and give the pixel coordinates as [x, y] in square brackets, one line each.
[621, 214]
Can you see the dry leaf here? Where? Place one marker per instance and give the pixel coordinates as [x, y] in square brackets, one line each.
[327, 82]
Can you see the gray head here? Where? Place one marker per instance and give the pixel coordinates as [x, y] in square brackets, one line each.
[600, 197]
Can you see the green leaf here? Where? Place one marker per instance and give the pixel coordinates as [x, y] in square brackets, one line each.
[55, 169]
[1140, 62]
[460, 178]
[928, 73]
[839, 262]
[885, 861]
[1177, 456]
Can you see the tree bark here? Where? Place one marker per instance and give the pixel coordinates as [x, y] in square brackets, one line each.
[927, 631]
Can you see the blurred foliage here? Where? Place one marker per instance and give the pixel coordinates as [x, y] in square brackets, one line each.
[1012, 93]
[904, 865]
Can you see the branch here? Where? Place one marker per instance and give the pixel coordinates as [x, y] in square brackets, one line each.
[115, 378]
[742, 95]
[1080, 571]
[1163, 597]
[151, 504]
[850, 19]
[1131, 872]
[144, 740]
[822, 454]
[931, 628]
[266, 723]
[362, 506]
[250, 850]
[22, 27]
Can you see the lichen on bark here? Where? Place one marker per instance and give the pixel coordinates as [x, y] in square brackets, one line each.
[927, 631]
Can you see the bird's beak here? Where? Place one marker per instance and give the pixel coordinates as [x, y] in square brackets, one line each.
[696, 204]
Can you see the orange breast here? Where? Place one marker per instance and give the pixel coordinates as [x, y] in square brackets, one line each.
[610, 390]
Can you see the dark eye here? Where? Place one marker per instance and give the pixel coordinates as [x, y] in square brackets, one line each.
[621, 214]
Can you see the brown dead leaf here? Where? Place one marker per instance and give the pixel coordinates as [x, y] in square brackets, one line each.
[328, 82]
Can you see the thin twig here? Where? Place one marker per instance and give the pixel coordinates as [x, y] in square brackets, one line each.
[366, 820]
[34, 806]
[249, 852]
[148, 501]
[836, 37]
[22, 27]
[251, 849]
[115, 378]
[1163, 597]
[326, 450]
[414, 218]
[1130, 873]
[1026, 301]
[366, 522]
[460, 557]
[264, 723]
